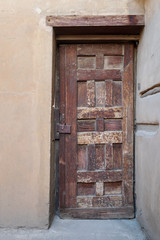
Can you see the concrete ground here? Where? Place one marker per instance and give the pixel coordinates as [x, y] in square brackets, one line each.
[80, 230]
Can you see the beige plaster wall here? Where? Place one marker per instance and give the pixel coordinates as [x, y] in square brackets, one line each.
[148, 137]
[25, 102]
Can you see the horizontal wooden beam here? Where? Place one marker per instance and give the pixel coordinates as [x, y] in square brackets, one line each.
[101, 112]
[83, 21]
[98, 74]
[97, 38]
[102, 25]
[99, 137]
[98, 213]
[105, 176]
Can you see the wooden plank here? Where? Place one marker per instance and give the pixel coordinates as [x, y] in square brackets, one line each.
[62, 121]
[99, 156]
[113, 62]
[113, 125]
[100, 94]
[100, 112]
[105, 201]
[82, 94]
[99, 50]
[117, 156]
[99, 213]
[99, 61]
[98, 74]
[95, 38]
[71, 119]
[103, 176]
[117, 93]
[99, 188]
[100, 124]
[99, 137]
[94, 20]
[113, 188]
[127, 187]
[86, 62]
[91, 93]
[86, 126]
[109, 157]
[91, 157]
[108, 89]
[109, 201]
[82, 157]
[86, 189]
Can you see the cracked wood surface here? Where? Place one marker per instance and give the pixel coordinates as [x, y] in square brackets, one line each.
[97, 169]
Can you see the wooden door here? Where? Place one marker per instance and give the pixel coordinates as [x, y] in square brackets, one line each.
[96, 157]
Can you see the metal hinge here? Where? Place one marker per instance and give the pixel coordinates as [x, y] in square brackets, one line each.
[63, 128]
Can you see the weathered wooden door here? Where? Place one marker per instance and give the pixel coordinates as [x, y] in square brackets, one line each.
[96, 154]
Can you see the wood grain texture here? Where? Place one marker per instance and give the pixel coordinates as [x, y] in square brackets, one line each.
[62, 121]
[118, 20]
[101, 112]
[83, 75]
[98, 154]
[99, 213]
[71, 118]
[127, 187]
[105, 176]
[99, 49]
[99, 137]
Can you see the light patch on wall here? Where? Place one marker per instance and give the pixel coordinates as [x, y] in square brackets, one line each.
[42, 24]
[38, 10]
[147, 129]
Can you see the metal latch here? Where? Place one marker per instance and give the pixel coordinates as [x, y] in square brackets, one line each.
[63, 128]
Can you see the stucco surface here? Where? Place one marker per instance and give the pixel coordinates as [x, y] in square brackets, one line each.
[147, 111]
[25, 102]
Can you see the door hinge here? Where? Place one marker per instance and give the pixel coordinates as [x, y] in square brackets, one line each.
[63, 128]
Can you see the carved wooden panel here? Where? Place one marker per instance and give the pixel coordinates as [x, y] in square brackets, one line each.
[96, 159]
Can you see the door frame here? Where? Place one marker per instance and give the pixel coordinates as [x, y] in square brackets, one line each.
[130, 25]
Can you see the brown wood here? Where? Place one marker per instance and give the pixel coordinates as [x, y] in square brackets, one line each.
[116, 20]
[96, 159]
[98, 75]
[127, 188]
[98, 213]
[117, 24]
[99, 137]
[95, 38]
[108, 112]
[105, 176]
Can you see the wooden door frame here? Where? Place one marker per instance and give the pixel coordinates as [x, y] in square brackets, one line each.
[113, 29]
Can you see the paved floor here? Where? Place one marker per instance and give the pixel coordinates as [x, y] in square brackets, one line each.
[80, 230]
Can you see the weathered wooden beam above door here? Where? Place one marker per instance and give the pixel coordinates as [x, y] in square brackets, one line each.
[117, 24]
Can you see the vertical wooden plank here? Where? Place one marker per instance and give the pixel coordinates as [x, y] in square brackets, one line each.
[117, 156]
[91, 157]
[62, 121]
[117, 93]
[99, 188]
[99, 156]
[100, 124]
[82, 157]
[82, 94]
[109, 157]
[99, 61]
[91, 93]
[100, 94]
[108, 87]
[71, 115]
[127, 188]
